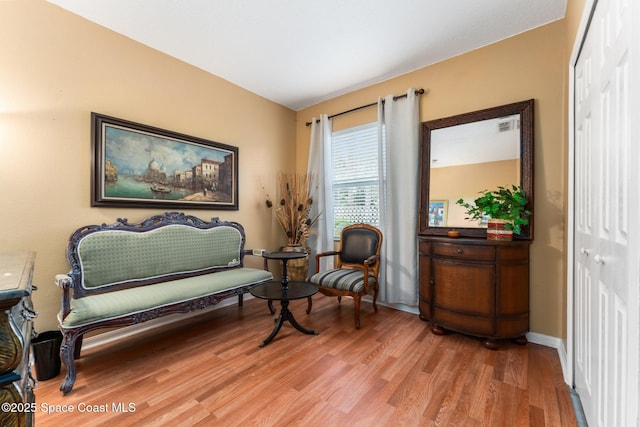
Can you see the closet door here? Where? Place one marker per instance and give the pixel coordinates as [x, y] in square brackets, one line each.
[606, 211]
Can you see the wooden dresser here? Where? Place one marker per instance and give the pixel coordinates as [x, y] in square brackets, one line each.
[16, 317]
[475, 286]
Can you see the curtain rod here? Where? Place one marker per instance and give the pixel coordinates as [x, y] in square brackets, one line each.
[395, 98]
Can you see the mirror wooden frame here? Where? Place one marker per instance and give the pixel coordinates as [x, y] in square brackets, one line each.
[525, 110]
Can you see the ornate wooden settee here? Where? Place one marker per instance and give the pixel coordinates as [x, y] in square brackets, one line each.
[123, 274]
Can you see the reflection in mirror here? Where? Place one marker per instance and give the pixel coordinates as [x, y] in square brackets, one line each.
[465, 154]
[470, 158]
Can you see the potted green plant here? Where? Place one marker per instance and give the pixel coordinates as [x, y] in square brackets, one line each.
[505, 207]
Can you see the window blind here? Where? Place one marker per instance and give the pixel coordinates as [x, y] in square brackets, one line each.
[356, 177]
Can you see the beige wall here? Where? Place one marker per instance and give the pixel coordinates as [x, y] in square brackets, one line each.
[529, 65]
[573, 16]
[56, 69]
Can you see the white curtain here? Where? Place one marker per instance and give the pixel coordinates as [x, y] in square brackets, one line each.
[400, 120]
[320, 168]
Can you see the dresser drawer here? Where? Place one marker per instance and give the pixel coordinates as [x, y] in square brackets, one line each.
[465, 252]
[483, 326]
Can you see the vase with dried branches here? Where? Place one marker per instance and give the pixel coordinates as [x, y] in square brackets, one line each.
[293, 213]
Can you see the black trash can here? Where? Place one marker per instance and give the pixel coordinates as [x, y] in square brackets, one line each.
[46, 353]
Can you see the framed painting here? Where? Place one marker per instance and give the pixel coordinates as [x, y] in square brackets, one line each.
[438, 213]
[135, 165]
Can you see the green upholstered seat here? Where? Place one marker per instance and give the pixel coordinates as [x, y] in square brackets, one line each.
[126, 273]
[111, 305]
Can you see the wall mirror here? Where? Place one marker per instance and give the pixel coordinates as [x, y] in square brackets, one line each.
[465, 154]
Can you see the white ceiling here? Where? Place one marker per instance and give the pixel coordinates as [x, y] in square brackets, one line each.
[301, 52]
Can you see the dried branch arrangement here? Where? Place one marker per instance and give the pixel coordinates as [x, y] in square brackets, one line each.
[293, 209]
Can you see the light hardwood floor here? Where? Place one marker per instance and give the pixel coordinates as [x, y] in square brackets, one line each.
[209, 370]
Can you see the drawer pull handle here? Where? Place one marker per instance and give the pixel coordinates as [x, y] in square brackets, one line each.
[460, 251]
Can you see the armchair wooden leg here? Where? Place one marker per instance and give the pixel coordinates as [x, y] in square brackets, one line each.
[375, 298]
[309, 305]
[356, 309]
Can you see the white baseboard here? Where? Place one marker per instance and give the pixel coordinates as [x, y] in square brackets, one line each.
[556, 343]
[395, 306]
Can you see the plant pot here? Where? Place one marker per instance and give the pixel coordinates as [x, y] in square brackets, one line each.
[496, 229]
[297, 269]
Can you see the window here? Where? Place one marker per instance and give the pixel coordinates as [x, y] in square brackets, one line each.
[356, 176]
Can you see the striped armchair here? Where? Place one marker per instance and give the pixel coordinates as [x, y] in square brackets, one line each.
[356, 272]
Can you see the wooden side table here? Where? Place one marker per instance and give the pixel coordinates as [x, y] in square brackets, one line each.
[285, 257]
[284, 291]
[276, 291]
